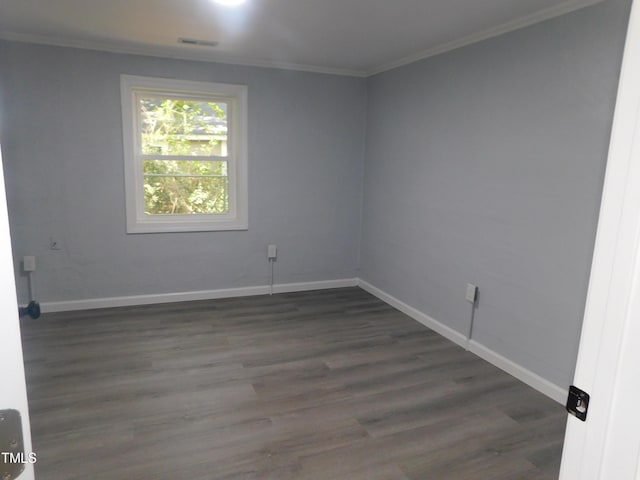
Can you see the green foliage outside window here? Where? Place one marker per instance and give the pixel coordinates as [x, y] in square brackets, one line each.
[182, 128]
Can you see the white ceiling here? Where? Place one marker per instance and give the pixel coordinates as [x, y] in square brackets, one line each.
[353, 37]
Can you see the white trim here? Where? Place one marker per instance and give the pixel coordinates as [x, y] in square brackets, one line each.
[109, 302]
[166, 52]
[517, 24]
[423, 318]
[131, 88]
[607, 446]
[319, 285]
[209, 56]
[534, 380]
[13, 393]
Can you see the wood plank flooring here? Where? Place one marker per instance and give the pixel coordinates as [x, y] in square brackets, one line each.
[327, 385]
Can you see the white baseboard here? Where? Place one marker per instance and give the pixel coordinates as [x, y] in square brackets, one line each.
[534, 380]
[551, 390]
[319, 285]
[93, 303]
[423, 318]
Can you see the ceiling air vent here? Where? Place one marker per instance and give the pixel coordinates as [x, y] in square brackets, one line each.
[195, 41]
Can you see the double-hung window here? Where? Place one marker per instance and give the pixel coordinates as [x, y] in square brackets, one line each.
[185, 155]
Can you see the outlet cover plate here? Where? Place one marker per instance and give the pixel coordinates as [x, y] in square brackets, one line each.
[472, 291]
[29, 263]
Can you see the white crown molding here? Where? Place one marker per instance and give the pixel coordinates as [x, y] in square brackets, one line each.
[173, 53]
[523, 374]
[522, 22]
[209, 56]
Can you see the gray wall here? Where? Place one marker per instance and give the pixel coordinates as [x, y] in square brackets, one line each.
[485, 165]
[62, 149]
[482, 165]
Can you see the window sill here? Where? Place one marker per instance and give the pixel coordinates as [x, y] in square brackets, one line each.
[164, 226]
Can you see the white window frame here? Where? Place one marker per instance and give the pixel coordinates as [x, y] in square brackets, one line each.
[236, 97]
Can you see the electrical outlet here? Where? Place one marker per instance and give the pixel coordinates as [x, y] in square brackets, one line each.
[472, 293]
[29, 263]
[272, 252]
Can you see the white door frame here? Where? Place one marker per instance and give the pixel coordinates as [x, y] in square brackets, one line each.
[13, 389]
[607, 445]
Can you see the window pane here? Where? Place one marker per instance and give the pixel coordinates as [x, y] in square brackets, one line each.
[181, 167]
[183, 127]
[165, 195]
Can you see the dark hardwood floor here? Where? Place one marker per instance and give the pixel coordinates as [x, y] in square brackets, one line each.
[330, 384]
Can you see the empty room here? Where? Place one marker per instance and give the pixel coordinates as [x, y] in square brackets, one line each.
[277, 239]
